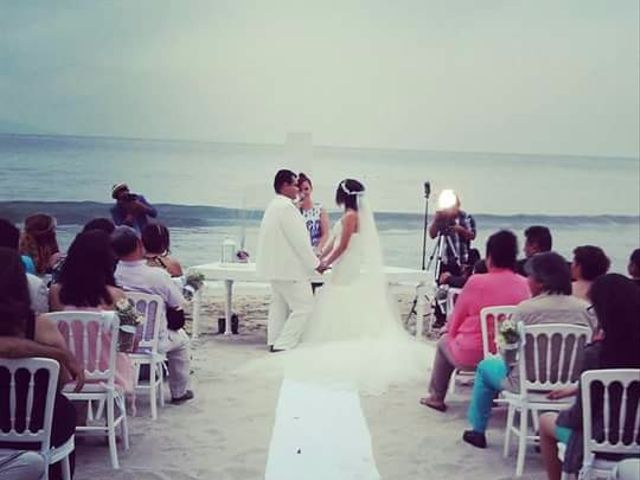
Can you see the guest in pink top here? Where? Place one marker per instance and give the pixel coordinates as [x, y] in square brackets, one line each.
[87, 283]
[461, 346]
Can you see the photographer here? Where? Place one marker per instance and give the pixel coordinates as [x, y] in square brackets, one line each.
[460, 229]
[130, 209]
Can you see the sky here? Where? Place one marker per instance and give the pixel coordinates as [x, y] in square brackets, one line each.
[538, 77]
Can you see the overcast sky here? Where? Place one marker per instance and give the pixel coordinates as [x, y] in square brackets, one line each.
[484, 75]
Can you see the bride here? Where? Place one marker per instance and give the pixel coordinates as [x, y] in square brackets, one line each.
[354, 336]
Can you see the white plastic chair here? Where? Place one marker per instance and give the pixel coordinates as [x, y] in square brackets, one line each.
[621, 426]
[32, 431]
[460, 375]
[490, 320]
[153, 310]
[538, 377]
[87, 334]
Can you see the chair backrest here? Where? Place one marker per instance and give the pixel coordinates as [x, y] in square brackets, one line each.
[154, 313]
[550, 355]
[452, 296]
[611, 411]
[92, 338]
[27, 396]
[490, 320]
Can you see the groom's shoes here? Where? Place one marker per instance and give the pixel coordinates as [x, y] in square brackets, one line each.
[275, 350]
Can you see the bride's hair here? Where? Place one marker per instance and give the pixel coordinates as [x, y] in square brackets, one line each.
[347, 193]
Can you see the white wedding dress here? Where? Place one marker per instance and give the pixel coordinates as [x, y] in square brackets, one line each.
[354, 337]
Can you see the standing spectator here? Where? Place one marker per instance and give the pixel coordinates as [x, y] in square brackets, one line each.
[537, 240]
[461, 346]
[634, 266]
[133, 273]
[156, 242]
[589, 263]
[131, 209]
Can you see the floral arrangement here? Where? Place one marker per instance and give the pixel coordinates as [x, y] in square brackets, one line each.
[193, 282]
[129, 321]
[509, 341]
[508, 333]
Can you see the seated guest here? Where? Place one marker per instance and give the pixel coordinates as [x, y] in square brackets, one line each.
[38, 293]
[634, 266]
[156, 242]
[99, 223]
[133, 273]
[87, 283]
[131, 209]
[616, 302]
[21, 464]
[550, 284]
[19, 322]
[537, 240]
[40, 244]
[589, 263]
[461, 346]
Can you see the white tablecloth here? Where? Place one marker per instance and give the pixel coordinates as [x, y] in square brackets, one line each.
[246, 272]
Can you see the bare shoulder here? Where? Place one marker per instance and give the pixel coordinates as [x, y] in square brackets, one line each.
[350, 220]
[116, 293]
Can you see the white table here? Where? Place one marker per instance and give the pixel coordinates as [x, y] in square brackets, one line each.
[246, 272]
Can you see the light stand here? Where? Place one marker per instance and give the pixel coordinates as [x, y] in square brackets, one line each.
[427, 192]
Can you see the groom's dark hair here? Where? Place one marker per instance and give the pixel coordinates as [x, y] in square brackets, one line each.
[282, 177]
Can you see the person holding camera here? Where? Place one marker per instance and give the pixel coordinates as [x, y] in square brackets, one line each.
[459, 228]
[131, 209]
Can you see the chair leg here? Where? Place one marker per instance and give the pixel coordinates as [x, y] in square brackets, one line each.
[111, 429]
[452, 382]
[161, 383]
[152, 390]
[522, 441]
[66, 468]
[124, 427]
[507, 433]
[535, 419]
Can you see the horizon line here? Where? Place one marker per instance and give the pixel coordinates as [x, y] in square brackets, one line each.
[344, 147]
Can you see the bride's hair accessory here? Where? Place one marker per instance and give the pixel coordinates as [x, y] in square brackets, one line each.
[343, 186]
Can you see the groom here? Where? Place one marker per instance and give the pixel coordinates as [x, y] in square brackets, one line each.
[285, 258]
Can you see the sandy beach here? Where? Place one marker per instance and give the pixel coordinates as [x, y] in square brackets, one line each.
[225, 433]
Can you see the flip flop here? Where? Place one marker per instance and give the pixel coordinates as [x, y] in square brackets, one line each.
[439, 407]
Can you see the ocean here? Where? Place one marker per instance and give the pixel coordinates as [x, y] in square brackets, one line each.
[206, 192]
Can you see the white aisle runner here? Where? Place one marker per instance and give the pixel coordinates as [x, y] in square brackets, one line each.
[319, 434]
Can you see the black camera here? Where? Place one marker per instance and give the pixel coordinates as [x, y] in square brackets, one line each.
[130, 197]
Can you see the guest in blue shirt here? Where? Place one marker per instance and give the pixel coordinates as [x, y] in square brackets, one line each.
[130, 209]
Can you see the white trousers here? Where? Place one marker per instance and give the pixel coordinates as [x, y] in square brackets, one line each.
[291, 306]
[176, 347]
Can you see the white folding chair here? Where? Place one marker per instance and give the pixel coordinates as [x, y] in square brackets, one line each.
[617, 395]
[460, 375]
[153, 311]
[29, 423]
[539, 375]
[89, 335]
[490, 320]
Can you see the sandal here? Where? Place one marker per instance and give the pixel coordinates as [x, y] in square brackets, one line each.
[427, 402]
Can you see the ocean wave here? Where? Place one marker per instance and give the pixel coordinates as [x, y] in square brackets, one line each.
[190, 216]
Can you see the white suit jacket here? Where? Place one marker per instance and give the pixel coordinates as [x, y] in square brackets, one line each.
[284, 249]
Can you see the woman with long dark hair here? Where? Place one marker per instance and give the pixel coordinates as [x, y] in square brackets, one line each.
[39, 242]
[87, 283]
[157, 242]
[616, 301]
[18, 320]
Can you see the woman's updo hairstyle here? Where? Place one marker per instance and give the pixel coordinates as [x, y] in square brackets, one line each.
[348, 192]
